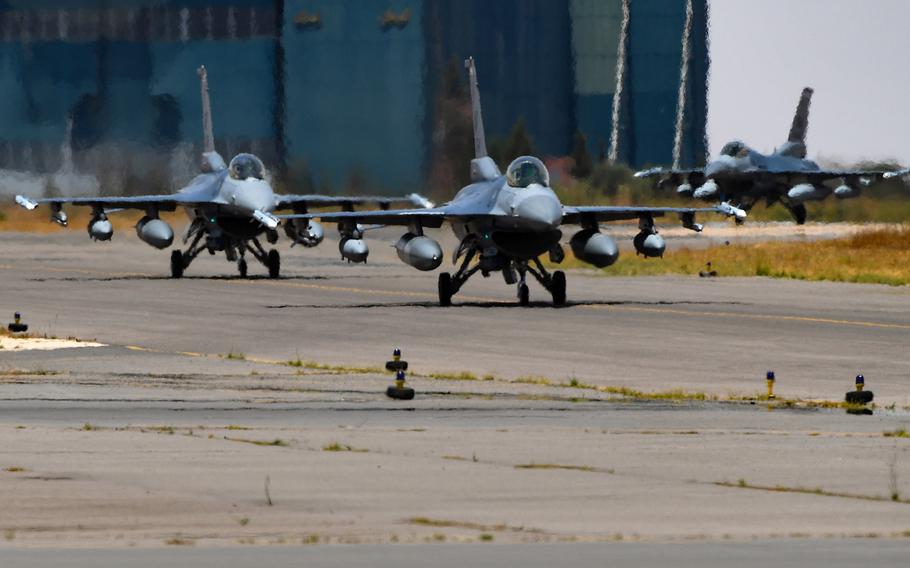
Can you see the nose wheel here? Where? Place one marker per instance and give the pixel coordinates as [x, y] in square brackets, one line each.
[446, 290]
[524, 295]
[273, 262]
[177, 264]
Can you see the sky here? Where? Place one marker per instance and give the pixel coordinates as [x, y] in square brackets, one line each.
[854, 53]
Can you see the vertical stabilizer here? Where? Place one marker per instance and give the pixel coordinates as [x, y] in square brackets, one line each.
[208, 136]
[801, 118]
[211, 160]
[480, 142]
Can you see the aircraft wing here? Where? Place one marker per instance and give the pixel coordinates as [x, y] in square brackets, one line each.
[584, 214]
[432, 217]
[653, 172]
[162, 202]
[303, 203]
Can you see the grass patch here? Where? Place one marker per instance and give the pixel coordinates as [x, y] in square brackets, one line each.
[15, 469]
[341, 369]
[244, 521]
[442, 523]
[587, 468]
[89, 427]
[179, 541]
[276, 442]
[460, 376]
[486, 537]
[235, 427]
[743, 484]
[899, 433]
[880, 256]
[336, 447]
[232, 356]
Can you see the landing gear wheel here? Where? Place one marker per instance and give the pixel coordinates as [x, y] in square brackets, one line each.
[404, 393]
[524, 295]
[274, 263]
[445, 290]
[177, 264]
[241, 266]
[558, 288]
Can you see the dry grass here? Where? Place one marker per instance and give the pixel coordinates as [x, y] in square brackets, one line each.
[874, 256]
[14, 218]
[336, 447]
[586, 468]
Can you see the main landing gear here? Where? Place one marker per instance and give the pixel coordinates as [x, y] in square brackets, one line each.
[555, 283]
[233, 250]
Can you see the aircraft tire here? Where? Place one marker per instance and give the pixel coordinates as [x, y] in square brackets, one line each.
[404, 393]
[445, 289]
[558, 288]
[177, 264]
[524, 295]
[274, 263]
[241, 267]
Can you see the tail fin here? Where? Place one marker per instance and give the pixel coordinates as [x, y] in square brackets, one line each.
[211, 160]
[801, 118]
[208, 136]
[480, 142]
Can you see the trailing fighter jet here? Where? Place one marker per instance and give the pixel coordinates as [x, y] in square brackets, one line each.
[745, 176]
[506, 222]
[230, 206]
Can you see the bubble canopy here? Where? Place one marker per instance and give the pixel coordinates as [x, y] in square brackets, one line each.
[245, 166]
[527, 170]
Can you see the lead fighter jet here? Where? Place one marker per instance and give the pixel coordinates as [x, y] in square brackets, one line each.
[745, 176]
[506, 222]
[230, 206]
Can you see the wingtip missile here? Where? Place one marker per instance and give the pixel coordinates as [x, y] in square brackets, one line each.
[649, 172]
[731, 211]
[267, 220]
[897, 173]
[26, 203]
[420, 201]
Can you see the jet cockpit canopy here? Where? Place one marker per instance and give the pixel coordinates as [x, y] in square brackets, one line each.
[527, 170]
[245, 166]
[735, 149]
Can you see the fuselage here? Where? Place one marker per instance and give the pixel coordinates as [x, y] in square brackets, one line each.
[228, 204]
[751, 174]
[522, 222]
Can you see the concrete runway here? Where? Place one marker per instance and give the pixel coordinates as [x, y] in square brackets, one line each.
[159, 440]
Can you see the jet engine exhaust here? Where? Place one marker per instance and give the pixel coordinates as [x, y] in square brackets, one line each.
[423, 253]
[650, 245]
[353, 250]
[594, 247]
[155, 232]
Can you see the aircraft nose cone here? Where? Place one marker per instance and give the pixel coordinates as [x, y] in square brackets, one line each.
[254, 195]
[540, 211]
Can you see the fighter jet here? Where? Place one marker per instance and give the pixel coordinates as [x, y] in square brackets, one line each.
[506, 222]
[745, 176]
[229, 205]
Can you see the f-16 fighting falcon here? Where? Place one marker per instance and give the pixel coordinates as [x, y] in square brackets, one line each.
[506, 222]
[745, 176]
[230, 206]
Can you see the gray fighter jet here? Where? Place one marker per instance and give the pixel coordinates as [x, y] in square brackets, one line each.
[744, 176]
[229, 205]
[506, 222]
